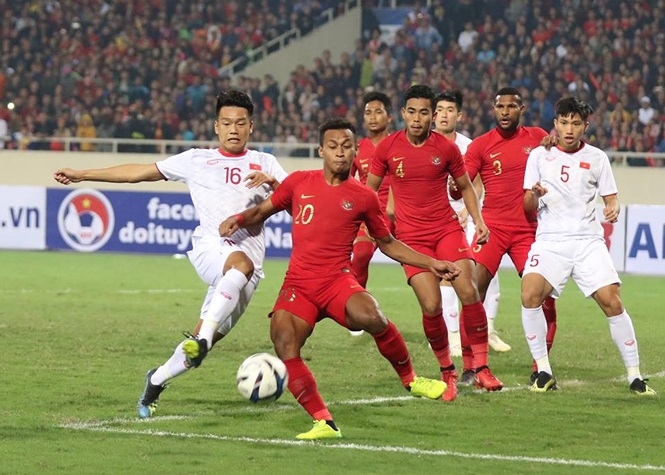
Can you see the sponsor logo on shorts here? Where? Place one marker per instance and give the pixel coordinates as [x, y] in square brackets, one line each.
[306, 197]
[494, 155]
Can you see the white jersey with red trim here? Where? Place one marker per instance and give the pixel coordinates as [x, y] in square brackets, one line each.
[573, 181]
[218, 189]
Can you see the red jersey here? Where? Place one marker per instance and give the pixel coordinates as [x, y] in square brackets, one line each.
[501, 162]
[361, 166]
[326, 220]
[419, 179]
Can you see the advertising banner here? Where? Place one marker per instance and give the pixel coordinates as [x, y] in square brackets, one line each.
[645, 240]
[22, 217]
[89, 220]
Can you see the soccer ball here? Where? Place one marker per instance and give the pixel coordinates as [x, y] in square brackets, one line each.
[262, 378]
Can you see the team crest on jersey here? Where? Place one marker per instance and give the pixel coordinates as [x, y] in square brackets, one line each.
[436, 160]
[346, 204]
[527, 150]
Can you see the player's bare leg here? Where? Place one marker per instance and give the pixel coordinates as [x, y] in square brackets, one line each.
[362, 311]
[474, 321]
[426, 287]
[288, 334]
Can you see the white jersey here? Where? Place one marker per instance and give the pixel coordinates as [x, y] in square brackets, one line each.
[573, 182]
[217, 185]
[462, 142]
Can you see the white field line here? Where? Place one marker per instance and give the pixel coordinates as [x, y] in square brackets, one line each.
[373, 448]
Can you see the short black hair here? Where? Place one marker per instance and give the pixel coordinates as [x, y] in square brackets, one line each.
[234, 98]
[570, 106]
[381, 97]
[420, 91]
[455, 96]
[509, 91]
[335, 123]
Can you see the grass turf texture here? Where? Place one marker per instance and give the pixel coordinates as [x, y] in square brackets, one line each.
[79, 331]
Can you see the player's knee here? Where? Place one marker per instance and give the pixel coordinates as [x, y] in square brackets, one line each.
[375, 322]
[531, 298]
[240, 261]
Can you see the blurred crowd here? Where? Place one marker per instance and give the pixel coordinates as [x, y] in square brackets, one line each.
[150, 69]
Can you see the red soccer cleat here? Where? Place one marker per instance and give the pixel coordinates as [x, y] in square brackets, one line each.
[486, 380]
[450, 378]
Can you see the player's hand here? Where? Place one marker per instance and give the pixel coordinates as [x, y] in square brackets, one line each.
[482, 233]
[228, 226]
[67, 176]
[549, 141]
[539, 190]
[256, 179]
[611, 213]
[452, 185]
[445, 270]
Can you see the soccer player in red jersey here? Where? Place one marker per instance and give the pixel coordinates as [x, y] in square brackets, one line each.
[500, 156]
[418, 162]
[319, 282]
[377, 118]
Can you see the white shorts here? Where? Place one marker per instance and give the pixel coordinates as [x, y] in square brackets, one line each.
[587, 261]
[208, 256]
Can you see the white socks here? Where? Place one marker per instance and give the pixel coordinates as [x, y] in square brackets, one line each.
[623, 334]
[492, 295]
[175, 366]
[450, 308]
[222, 304]
[535, 330]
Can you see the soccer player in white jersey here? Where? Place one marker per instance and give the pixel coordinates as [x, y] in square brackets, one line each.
[222, 182]
[448, 113]
[562, 184]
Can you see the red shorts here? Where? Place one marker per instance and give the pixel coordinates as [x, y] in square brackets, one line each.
[450, 246]
[313, 300]
[514, 242]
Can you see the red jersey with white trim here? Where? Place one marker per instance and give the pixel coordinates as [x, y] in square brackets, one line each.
[361, 165]
[501, 161]
[419, 180]
[326, 220]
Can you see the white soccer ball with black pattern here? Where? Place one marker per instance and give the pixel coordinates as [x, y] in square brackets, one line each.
[262, 378]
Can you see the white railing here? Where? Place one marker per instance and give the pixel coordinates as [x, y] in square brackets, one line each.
[280, 149]
[276, 44]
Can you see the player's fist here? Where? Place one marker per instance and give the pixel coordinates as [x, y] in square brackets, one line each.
[539, 190]
[67, 176]
[256, 179]
[482, 233]
[229, 226]
[549, 141]
[445, 270]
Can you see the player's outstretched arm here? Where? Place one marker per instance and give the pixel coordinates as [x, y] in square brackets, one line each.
[250, 217]
[129, 173]
[402, 253]
[612, 208]
[532, 196]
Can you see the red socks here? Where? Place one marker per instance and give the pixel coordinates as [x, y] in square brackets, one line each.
[303, 387]
[474, 322]
[437, 335]
[549, 309]
[391, 345]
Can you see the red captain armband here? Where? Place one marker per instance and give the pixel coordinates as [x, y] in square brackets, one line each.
[239, 219]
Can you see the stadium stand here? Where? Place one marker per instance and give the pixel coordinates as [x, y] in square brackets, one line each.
[143, 69]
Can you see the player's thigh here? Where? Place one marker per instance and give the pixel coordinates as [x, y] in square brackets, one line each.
[426, 287]
[489, 254]
[519, 249]
[295, 300]
[208, 256]
[552, 260]
[594, 268]
[363, 313]
[288, 333]
[336, 294]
